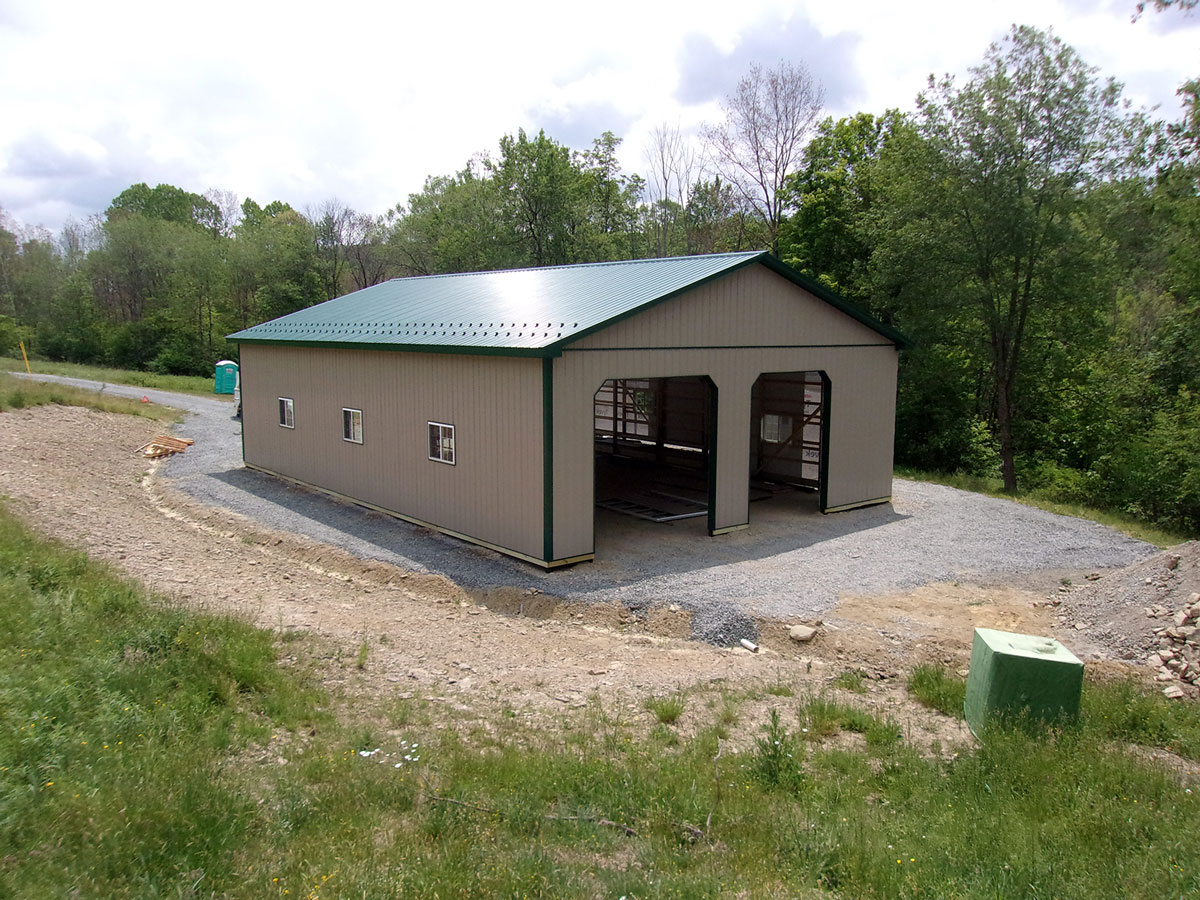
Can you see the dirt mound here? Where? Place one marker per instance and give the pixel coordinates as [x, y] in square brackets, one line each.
[1129, 612]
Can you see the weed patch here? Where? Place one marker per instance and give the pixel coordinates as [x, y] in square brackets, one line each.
[19, 393]
[933, 687]
[666, 709]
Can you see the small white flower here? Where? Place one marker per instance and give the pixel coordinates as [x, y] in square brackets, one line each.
[397, 765]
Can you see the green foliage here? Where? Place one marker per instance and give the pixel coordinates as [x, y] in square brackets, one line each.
[146, 751]
[778, 757]
[185, 384]
[19, 393]
[666, 709]
[850, 680]
[1126, 711]
[118, 715]
[932, 686]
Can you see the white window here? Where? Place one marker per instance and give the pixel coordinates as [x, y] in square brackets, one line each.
[352, 425]
[776, 429]
[287, 412]
[441, 442]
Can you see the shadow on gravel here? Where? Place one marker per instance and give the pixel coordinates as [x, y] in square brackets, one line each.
[628, 550]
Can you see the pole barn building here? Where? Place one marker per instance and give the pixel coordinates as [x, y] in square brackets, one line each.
[503, 407]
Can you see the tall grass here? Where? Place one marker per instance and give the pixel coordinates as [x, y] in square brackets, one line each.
[147, 752]
[19, 393]
[933, 687]
[118, 717]
[186, 384]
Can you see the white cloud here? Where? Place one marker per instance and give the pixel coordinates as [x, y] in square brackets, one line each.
[362, 100]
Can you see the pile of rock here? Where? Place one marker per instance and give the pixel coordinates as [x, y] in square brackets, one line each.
[1178, 655]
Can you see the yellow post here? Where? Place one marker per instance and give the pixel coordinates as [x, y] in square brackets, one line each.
[26, 358]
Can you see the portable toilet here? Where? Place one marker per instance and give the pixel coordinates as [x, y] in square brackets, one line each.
[225, 377]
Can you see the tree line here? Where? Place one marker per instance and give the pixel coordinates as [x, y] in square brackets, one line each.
[1038, 241]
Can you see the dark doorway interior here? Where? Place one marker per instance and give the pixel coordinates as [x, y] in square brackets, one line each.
[653, 439]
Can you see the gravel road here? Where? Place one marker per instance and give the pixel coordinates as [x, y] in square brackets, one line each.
[792, 562]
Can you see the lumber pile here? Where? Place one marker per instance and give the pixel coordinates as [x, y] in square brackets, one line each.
[164, 445]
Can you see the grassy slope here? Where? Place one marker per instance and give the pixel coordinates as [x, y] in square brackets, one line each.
[132, 765]
[183, 384]
[18, 393]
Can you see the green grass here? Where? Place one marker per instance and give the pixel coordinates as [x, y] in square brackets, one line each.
[149, 752]
[184, 384]
[19, 393]
[666, 709]
[994, 487]
[118, 721]
[850, 680]
[1111, 710]
[933, 687]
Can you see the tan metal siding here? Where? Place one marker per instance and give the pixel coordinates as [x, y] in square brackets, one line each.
[493, 492]
[752, 307]
[726, 330]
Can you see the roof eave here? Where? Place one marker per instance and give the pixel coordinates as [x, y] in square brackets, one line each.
[527, 352]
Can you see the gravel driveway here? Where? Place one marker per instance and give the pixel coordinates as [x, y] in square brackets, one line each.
[792, 562]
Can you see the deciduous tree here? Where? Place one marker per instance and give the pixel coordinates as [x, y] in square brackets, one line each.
[1016, 149]
[768, 120]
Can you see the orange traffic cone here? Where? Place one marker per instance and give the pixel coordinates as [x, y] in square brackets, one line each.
[145, 399]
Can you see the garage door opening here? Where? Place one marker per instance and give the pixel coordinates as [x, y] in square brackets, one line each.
[653, 443]
[788, 413]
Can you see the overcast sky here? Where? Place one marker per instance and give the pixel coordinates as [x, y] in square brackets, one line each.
[362, 100]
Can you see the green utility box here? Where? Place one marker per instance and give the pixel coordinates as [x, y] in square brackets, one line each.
[225, 377]
[1011, 673]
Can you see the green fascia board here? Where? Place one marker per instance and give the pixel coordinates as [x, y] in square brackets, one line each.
[517, 312]
[781, 268]
[535, 352]
[853, 310]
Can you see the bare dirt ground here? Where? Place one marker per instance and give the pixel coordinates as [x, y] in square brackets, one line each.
[72, 474]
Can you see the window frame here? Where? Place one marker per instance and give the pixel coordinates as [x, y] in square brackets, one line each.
[287, 414]
[430, 425]
[779, 420]
[348, 434]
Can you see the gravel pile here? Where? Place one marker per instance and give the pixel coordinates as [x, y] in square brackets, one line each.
[792, 563]
[1146, 612]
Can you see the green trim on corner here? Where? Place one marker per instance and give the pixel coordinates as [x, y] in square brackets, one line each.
[548, 459]
[713, 413]
[241, 400]
[823, 474]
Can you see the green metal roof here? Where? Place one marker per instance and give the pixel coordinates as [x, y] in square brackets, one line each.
[517, 312]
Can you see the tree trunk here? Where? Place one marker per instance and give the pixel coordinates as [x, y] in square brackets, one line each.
[1008, 466]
